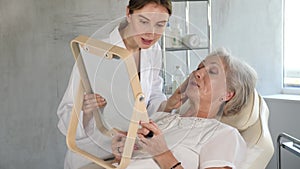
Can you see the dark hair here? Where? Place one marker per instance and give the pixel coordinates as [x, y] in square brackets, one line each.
[139, 4]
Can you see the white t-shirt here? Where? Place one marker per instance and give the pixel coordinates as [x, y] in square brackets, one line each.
[197, 143]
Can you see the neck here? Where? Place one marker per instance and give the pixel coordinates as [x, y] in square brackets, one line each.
[205, 110]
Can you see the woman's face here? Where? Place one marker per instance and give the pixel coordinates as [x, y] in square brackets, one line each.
[147, 24]
[207, 84]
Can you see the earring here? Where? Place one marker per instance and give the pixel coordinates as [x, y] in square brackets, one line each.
[221, 99]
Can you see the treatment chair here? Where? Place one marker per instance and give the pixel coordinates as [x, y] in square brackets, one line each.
[252, 122]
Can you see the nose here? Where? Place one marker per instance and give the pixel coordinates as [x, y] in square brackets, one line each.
[150, 31]
[199, 73]
[150, 34]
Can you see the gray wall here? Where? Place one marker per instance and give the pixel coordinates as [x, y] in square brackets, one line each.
[35, 63]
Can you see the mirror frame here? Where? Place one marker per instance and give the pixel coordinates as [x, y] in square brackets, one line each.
[108, 51]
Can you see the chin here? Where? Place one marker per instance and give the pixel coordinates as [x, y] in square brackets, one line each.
[142, 46]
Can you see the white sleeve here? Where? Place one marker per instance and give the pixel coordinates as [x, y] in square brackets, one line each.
[225, 148]
[156, 96]
[65, 107]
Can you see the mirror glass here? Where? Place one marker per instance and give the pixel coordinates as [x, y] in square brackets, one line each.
[110, 79]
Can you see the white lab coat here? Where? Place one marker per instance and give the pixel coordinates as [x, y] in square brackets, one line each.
[96, 143]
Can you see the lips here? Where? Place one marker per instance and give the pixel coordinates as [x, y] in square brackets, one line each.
[195, 84]
[146, 42]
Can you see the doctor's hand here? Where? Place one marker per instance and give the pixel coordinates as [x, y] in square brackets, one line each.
[91, 102]
[177, 98]
[155, 145]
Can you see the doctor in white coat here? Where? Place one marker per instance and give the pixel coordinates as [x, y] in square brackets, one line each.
[139, 33]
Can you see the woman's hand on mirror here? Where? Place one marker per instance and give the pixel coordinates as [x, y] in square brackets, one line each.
[155, 145]
[117, 146]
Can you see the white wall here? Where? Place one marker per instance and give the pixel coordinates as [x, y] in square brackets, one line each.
[35, 63]
[251, 30]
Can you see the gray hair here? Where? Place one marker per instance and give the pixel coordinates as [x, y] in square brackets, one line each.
[240, 78]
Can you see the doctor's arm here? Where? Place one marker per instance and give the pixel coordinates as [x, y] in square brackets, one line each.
[176, 99]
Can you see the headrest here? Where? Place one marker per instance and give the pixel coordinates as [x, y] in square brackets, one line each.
[247, 116]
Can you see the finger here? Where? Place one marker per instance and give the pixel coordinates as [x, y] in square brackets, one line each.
[101, 104]
[100, 98]
[122, 133]
[89, 101]
[94, 103]
[89, 96]
[140, 136]
[101, 101]
[91, 105]
[143, 131]
[150, 134]
[153, 123]
[152, 127]
[94, 97]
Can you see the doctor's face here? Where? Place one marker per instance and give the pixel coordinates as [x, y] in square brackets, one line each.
[148, 24]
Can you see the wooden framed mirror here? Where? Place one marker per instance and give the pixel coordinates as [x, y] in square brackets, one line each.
[110, 71]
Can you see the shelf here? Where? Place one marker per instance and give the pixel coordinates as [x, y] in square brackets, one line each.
[185, 48]
[204, 46]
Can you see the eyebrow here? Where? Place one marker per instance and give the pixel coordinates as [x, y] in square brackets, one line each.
[205, 63]
[149, 19]
[215, 63]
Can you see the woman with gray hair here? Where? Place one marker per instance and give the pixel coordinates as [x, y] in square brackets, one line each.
[194, 138]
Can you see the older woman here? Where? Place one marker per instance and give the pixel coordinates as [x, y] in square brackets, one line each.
[194, 138]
